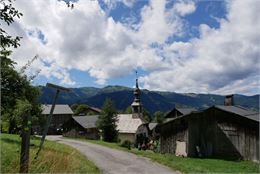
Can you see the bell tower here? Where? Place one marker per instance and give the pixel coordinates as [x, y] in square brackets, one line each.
[136, 105]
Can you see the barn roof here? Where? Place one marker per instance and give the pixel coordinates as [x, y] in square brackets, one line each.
[185, 111]
[59, 109]
[238, 110]
[86, 121]
[127, 124]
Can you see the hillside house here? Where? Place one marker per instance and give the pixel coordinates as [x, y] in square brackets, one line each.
[219, 131]
[82, 127]
[61, 114]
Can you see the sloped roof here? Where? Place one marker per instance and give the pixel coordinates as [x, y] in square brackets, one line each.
[238, 110]
[152, 125]
[185, 111]
[127, 124]
[59, 109]
[86, 121]
[95, 109]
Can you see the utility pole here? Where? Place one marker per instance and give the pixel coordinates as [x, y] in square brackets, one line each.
[58, 89]
[25, 145]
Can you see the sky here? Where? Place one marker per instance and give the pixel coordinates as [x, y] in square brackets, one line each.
[186, 46]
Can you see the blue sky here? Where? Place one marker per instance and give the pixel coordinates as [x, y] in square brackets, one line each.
[206, 12]
[176, 45]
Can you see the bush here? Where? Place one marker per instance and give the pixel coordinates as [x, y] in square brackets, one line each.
[126, 144]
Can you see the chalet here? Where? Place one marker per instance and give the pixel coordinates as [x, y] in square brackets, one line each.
[224, 131]
[82, 127]
[61, 114]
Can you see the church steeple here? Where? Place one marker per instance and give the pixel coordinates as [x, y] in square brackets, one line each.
[136, 105]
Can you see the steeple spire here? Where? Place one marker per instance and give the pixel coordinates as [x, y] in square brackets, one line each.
[136, 79]
[136, 105]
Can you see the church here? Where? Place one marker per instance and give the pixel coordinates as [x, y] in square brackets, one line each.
[128, 124]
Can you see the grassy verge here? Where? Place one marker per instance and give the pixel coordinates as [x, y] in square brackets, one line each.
[54, 158]
[190, 165]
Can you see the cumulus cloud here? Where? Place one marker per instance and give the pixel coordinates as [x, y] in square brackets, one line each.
[185, 8]
[224, 60]
[86, 38]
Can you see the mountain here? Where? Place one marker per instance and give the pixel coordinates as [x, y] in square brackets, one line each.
[152, 100]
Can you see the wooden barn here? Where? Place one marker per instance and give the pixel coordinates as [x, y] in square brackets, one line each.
[61, 114]
[82, 127]
[220, 131]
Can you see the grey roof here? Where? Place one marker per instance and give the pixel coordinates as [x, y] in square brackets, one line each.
[95, 109]
[152, 126]
[185, 111]
[127, 124]
[86, 121]
[59, 109]
[240, 111]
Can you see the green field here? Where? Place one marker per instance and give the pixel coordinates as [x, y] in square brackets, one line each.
[190, 165]
[54, 158]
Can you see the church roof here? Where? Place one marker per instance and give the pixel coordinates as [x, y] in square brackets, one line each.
[127, 124]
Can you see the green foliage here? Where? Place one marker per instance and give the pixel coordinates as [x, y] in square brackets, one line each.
[82, 109]
[107, 122]
[127, 144]
[15, 86]
[7, 14]
[146, 115]
[158, 117]
[128, 110]
[74, 107]
[22, 109]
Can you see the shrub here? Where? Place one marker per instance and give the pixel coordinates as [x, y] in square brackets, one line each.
[126, 144]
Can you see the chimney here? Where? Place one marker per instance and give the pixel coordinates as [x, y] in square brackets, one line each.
[229, 100]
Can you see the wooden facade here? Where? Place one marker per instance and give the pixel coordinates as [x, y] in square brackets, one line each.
[212, 133]
[82, 127]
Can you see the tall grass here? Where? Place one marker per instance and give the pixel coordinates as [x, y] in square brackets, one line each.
[54, 158]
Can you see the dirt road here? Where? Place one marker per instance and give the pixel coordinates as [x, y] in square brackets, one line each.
[114, 161]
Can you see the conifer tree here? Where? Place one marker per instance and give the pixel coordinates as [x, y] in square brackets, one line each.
[107, 122]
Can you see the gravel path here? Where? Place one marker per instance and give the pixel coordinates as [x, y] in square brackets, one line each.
[114, 161]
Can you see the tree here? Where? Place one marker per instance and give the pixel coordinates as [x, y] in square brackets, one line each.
[146, 115]
[107, 122]
[82, 109]
[128, 110]
[158, 117]
[14, 85]
[74, 107]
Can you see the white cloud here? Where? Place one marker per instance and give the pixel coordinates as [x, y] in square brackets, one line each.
[85, 38]
[221, 61]
[184, 8]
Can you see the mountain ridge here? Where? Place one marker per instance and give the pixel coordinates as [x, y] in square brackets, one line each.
[152, 100]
